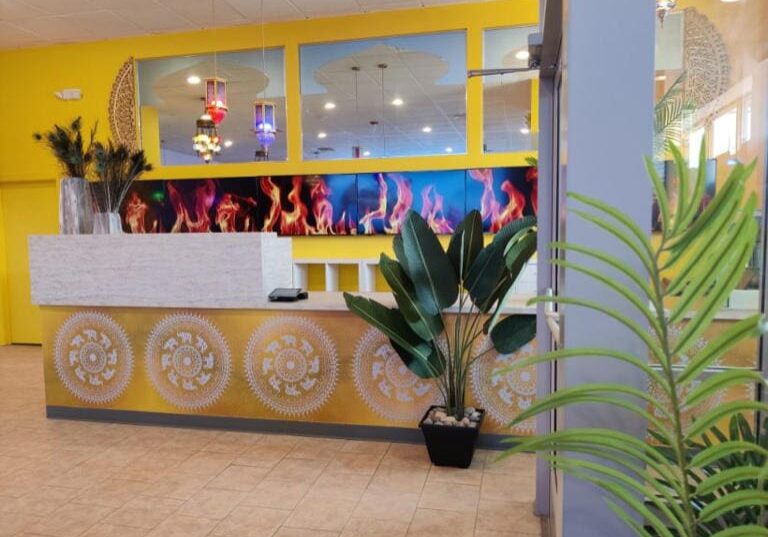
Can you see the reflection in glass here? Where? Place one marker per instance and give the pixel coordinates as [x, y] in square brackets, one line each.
[398, 96]
[175, 92]
[507, 98]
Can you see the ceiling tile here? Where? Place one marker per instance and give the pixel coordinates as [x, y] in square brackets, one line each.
[324, 8]
[202, 14]
[274, 10]
[62, 7]
[12, 35]
[156, 18]
[14, 10]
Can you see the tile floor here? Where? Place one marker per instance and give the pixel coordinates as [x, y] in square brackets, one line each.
[71, 479]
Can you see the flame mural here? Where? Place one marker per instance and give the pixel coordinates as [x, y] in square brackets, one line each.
[330, 204]
[385, 198]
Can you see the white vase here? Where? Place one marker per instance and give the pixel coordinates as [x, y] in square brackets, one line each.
[107, 224]
[75, 208]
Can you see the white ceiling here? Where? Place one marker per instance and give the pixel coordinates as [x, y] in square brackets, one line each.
[26, 23]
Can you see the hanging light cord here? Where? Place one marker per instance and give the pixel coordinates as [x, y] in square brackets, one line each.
[213, 22]
[263, 51]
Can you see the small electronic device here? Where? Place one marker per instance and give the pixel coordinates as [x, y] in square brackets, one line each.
[287, 294]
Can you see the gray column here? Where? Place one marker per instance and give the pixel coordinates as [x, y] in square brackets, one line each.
[609, 70]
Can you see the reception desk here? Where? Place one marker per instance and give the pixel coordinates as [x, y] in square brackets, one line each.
[175, 329]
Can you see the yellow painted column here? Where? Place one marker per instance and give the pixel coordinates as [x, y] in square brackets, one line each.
[293, 101]
[4, 310]
[475, 93]
[150, 134]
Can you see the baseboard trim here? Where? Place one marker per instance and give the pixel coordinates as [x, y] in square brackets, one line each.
[337, 430]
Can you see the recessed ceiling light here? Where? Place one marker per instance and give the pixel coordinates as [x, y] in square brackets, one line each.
[397, 101]
[329, 105]
[228, 143]
[729, 1]
[661, 78]
[193, 79]
[322, 135]
[449, 150]
[426, 129]
[525, 130]
[366, 153]
[522, 54]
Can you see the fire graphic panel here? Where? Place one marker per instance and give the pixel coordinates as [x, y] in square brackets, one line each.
[330, 204]
[502, 194]
[385, 198]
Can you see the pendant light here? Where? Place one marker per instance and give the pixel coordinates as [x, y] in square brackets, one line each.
[264, 111]
[663, 7]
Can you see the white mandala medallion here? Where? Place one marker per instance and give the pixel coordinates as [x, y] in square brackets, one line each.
[503, 394]
[93, 357]
[386, 384]
[188, 361]
[291, 365]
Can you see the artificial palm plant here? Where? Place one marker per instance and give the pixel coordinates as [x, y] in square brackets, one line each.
[686, 278]
[116, 167]
[427, 280]
[671, 116]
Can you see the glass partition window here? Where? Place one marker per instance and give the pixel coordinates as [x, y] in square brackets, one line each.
[389, 97]
[507, 99]
[171, 100]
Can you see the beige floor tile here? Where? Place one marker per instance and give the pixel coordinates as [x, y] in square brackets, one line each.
[378, 505]
[369, 447]
[173, 484]
[233, 442]
[12, 524]
[205, 464]
[299, 470]
[108, 530]
[354, 463]
[503, 515]
[113, 493]
[263, 455]
[211, 503]
[302, 532]
[144, 512]
[433, 523]
[183, 526]
[344, 486]
[328, 514]
[407, 455]
[369, 527]
[240, 478]
[464, 476]
[276, 493]
[523, 465]
[507, 487]
[70, 520]
[317, 448]
[246, 521]
[38, 502]
[280, 440]
[398, 479]
[450, 497]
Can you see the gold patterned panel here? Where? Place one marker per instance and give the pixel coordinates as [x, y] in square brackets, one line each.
[122, 106]
[310, 366]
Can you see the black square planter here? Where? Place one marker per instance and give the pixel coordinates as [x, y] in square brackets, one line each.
[449, 445]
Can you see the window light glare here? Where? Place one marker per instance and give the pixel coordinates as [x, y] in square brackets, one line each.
[329, 105]
[397, 101]
[449, 150]
[522, 54]
[525, 130]
[228, 143]
[322, 135]
[193, 79]
[426, 129]
[366, 153]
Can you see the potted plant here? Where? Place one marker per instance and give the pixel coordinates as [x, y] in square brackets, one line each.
[447, 301]
[116, 168]
[676, 482]
[75, 158]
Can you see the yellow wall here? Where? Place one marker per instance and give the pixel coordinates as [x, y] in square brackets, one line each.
[29, 78]
[4, 314]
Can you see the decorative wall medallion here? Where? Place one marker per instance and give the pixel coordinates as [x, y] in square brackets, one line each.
[122, 106]
[188, 361]
[387, 386]
[504, 394]
[93, 357]
[291, 365]
[707, 65]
